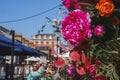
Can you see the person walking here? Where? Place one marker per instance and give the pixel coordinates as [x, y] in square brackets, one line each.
[35, 74]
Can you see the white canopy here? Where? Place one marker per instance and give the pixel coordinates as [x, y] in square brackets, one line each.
[32, 59]
[38, 58]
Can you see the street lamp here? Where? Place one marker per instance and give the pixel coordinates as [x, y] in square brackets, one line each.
[57, 33]
[12, 32]
[49, 56]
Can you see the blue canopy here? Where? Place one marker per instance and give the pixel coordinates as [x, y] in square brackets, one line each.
[4, 44]
[27, 49]
[20, 49]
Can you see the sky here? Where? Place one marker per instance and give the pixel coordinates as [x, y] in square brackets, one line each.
[17, 9]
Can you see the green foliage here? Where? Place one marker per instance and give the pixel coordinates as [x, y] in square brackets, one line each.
[63, 73]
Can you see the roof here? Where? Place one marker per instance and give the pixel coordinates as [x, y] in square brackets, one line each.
[19, 49]
[44, 34]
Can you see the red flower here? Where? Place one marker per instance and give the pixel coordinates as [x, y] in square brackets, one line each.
[105, 7]
[59, 62]
[85, 63]
[85, 60]
[75, 55]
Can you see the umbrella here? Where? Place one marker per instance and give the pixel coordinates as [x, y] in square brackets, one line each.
[38, 58]
[31, 59]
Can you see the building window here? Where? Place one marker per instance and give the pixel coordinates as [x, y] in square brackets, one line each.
[47, 43]
[42, 43]
[36, 42]
[50, 37]
[42, 47]
[53, 44]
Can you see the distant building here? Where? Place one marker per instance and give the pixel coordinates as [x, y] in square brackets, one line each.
[44, 42]
[20, 38]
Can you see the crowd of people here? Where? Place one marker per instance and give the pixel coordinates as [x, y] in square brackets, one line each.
[33, 71]
[40, 71]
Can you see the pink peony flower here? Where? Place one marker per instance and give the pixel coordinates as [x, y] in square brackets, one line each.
[71, 4]
[98, 30]
[76, 27]
[59, 62]
[70, 69]
[92, 70]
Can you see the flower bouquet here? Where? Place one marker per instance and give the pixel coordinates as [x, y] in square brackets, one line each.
[92, 28]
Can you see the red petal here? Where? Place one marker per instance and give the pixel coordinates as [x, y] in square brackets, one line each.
[80, 71]
[75, 56]
[83, 58]
[87, 64]
[59, 62]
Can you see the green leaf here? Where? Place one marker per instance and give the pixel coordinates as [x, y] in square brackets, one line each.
[99, 74]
